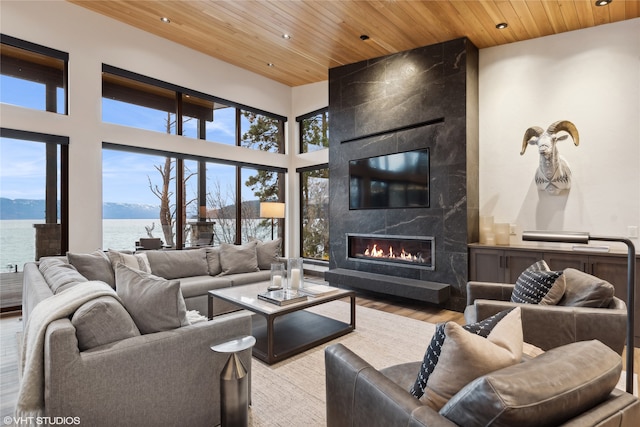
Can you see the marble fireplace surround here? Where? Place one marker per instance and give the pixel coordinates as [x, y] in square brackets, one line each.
[425, 98]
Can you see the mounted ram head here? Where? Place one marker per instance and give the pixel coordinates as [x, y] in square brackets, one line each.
[553, 174]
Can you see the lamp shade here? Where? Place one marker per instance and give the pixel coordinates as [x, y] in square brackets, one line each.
[271, 210]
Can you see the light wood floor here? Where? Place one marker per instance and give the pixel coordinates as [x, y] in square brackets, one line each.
[10, 325]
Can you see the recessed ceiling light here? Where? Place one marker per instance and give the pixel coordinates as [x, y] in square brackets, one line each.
[502, 25]
[364, 37]
[270, 64]
[602, 2]
[286, 36]
[165, 20]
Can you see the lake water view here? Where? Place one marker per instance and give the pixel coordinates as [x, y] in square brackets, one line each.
[17, 237]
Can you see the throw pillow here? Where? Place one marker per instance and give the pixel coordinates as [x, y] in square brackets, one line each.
[93, 266]
[213, 261]
[268, 253]
[538, 285]
[59, 275]
[137, 261]
[102, 321]
[548, 390]
[585, 290]
[238, 258]
[459, 354]
[155, 304]
[178, 264]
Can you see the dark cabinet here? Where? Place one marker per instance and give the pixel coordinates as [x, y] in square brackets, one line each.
[504, 265]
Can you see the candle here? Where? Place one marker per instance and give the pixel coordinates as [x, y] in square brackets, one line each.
[277, 281]
[295, 279]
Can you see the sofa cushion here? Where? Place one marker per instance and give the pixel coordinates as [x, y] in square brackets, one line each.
[137, 261]
[538, 285]
[240, 279]
[547, 390]
[268, 253]
[93, 266]
[59, 275]
[585, 290]
[178, 264]
[459, 354]
[102, 321]
[199, 285]
[238, 258]
[155, 304]
[213, 261]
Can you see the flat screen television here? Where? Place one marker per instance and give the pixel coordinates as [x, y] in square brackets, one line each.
[399, 180]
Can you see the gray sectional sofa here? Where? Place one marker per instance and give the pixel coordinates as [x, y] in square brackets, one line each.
[137, 353]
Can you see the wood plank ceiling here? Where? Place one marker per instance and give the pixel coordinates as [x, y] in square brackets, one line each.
[326, 34]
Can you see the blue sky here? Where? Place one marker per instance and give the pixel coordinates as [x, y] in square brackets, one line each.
[125, 174]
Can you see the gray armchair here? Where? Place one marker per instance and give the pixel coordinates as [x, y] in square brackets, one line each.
[524, 394]
[549, 326]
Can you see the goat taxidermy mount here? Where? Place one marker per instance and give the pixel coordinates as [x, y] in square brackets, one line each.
[553, 174]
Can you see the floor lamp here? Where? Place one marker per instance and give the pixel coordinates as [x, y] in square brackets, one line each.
[584, 238]
[271, 210]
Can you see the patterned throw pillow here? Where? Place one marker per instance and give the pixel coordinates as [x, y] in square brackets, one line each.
[459, 354]
[538, 285]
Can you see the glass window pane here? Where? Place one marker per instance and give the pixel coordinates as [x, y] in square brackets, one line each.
[32, 80]
[23, 194]
[261, 132]
[138, 198]
[221, 201]
[132, 103]
[194, 231]
[315, 214]
[315, 132]
[205, 119]
[260, 186]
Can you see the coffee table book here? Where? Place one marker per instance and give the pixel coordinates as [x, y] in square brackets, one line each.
[318, 290]
[282, 297]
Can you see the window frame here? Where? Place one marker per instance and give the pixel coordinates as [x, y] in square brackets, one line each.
[63, 143]
[51, 53]
[300, 171]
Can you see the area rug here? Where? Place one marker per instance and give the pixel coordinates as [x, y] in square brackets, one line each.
[292, 392]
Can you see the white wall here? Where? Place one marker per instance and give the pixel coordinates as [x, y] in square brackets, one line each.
[590, 77]
[91, 40]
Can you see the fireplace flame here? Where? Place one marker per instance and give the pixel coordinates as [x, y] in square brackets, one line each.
[374, 252]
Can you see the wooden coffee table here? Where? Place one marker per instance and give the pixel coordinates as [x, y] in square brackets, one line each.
[283, 331]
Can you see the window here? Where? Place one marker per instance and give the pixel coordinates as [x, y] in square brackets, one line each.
[130, 99]
[260, 185]
[33, 76]
[138, 104]
[314, 200]
[138, 194]
[314, 131]
[262, 132]
[33, 197]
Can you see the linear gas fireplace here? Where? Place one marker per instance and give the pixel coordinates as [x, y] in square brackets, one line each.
[416, 252]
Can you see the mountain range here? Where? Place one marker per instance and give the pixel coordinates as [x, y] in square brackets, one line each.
[34, 209]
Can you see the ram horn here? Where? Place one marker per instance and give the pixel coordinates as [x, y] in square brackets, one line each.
[530, 133]
[567, 126]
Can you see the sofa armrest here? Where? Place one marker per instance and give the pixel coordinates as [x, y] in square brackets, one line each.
[359, 395]
[488, 290]
[620, 409]
[550, 326]
[163, 378]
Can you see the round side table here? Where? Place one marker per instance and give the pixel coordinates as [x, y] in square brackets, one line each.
[234, 383]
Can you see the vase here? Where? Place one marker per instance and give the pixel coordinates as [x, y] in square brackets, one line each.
[295, 272]
[277, 276]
